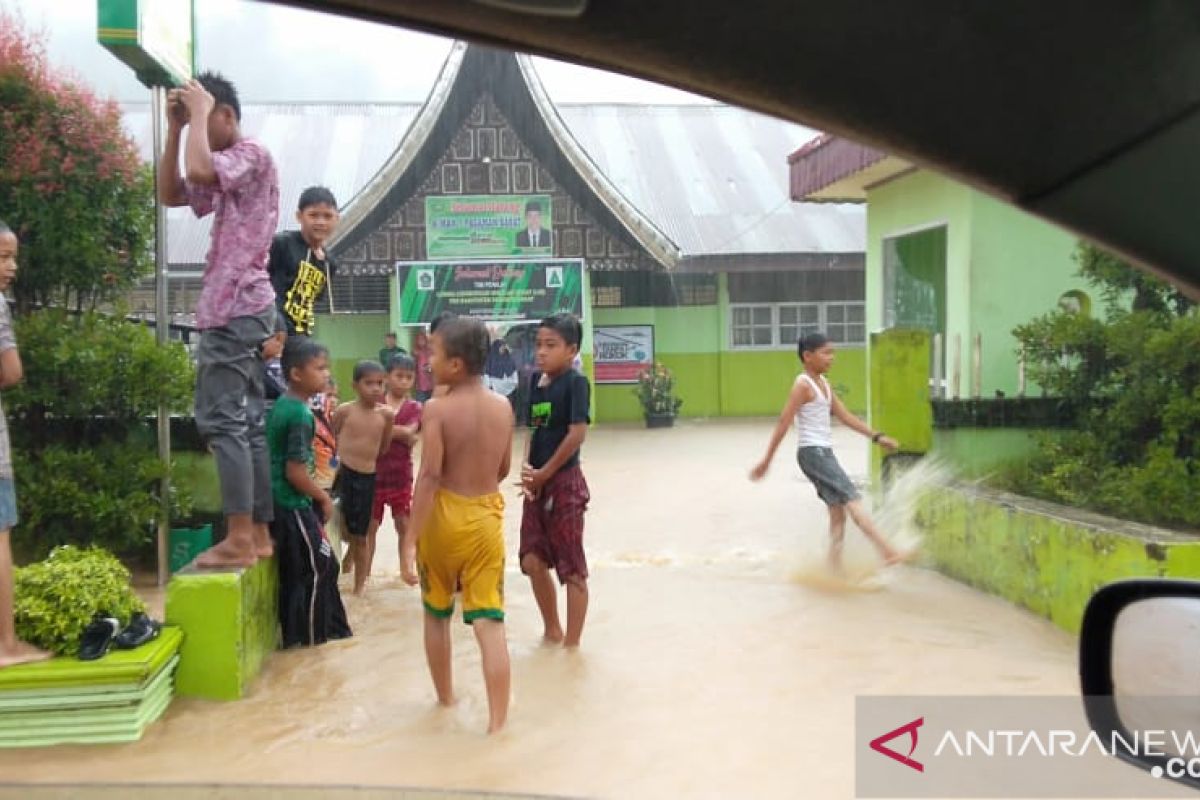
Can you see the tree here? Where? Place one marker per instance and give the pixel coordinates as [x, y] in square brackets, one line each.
[71, 182]
[1134, 379]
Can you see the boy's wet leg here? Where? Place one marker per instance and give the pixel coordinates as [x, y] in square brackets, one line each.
[837, 536]
[438, 655]
[546, 595]
[497, 673]
[867, 525]
[577, 606]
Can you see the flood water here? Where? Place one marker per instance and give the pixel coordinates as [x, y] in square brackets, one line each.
[717, 660]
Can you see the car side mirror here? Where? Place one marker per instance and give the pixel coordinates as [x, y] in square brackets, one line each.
[1139, 669]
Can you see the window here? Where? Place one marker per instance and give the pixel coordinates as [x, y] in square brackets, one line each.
[780, 325]
[639, 288]
[914, 280]
[753, 326]
[606, 296]
[846, 322]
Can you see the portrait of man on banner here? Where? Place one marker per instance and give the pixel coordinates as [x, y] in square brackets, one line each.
[534, 237]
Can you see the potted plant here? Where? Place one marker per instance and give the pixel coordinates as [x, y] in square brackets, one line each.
[656, 392]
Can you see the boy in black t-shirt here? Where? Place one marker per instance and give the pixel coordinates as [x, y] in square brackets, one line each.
[556, 494]
[300, 268]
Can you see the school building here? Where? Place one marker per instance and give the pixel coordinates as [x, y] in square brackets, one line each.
[946, 258]
[679, 216]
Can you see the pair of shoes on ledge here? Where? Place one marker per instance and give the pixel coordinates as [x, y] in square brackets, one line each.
[105, 632]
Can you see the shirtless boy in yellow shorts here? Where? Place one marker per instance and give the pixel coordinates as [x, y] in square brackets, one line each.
[456, 535]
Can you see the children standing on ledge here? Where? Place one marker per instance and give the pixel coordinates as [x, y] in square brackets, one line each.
[233, 178]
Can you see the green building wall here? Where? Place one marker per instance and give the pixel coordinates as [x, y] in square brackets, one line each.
[712, 379]
[350, 339]
[1020, 267]
[1003, 267]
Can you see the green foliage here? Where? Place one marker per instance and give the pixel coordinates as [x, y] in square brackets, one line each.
[57, 598]
[105, 494]
[88, 366]
[72, 185]
[1134, 379]
[656, 391]
[86, 464]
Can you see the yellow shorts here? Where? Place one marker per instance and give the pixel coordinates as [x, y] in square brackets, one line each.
[462, 548]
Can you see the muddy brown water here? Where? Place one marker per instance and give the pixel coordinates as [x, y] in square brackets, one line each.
[717, 660]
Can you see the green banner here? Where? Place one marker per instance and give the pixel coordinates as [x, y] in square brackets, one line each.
[495, 291]
[489, 225]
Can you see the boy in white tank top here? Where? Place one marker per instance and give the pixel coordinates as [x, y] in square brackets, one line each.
[811, 404]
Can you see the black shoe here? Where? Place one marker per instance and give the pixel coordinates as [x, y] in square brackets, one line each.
[98, 638]
[141, 629]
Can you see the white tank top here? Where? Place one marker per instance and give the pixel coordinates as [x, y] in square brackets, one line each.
[812, 420]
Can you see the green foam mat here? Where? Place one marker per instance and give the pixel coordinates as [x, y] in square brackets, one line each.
[14, 704]
[91, 726]
[117, 668]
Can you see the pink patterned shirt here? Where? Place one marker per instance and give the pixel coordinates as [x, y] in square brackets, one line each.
[245, 202]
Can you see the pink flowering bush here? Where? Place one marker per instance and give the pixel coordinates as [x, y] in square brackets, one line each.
[71, 183]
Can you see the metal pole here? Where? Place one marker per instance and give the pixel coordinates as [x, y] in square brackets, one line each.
[161, 328]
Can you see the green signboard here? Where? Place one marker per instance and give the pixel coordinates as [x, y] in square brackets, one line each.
[153, 37]
[496, 291]
[487, 226]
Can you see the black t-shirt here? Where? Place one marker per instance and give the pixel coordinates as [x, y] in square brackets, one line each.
[299, 278]
[553, 410]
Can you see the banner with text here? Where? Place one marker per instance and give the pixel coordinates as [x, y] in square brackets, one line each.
[621, 352]
[496, 291]
[484, 226]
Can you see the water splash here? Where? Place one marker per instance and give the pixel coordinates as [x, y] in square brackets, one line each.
[896, 517]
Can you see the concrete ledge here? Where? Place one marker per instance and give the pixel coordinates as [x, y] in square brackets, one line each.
[230, 624]
[1045, 557]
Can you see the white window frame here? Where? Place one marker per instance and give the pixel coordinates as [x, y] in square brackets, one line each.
[776, 342]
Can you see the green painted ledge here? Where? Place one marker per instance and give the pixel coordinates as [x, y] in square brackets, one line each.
[1048, 558]
[230, 625]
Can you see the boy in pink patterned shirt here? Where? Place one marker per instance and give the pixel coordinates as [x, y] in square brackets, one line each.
[234, 179]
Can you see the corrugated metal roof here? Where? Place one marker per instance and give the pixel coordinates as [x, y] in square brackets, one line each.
[339, 145]
[713, 178]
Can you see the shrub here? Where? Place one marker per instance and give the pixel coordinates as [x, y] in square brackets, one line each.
[72, 184]
[106, 494]
[656, 391]
[1134, 377]
[85, 459]
[57, 598]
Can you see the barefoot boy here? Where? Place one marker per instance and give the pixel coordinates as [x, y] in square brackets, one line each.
[233, 178]
[811, 404]
[12, 650]
[364, 431]
[310, 606]
[394, 470]
[556, 494]
[456, 538]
